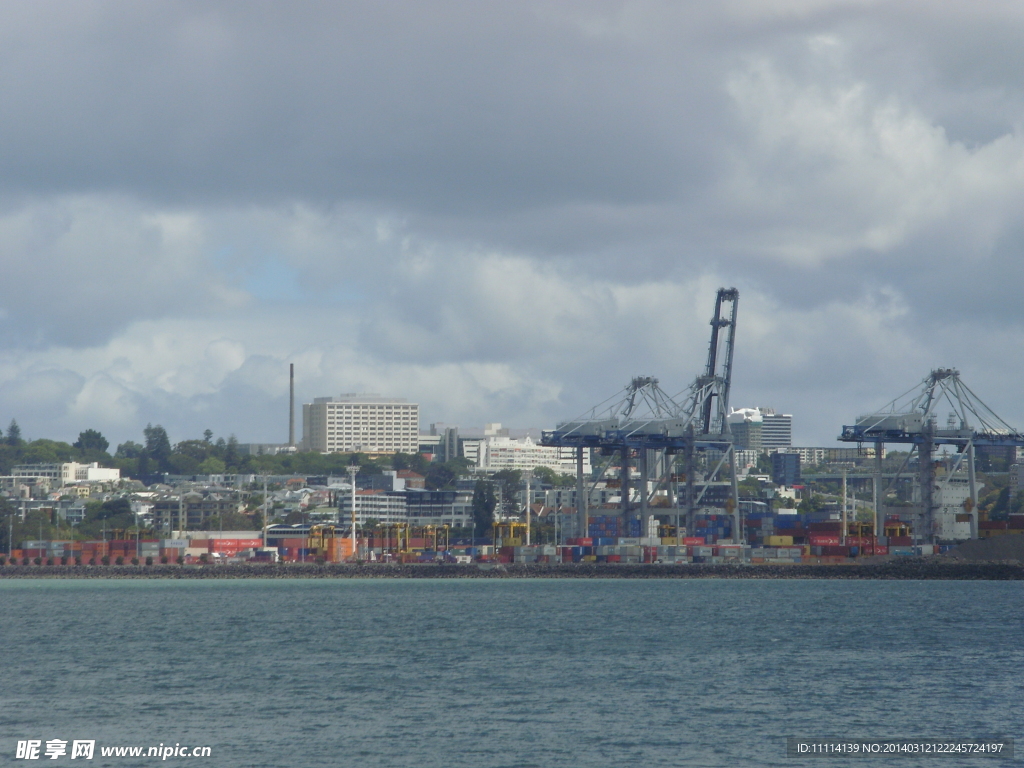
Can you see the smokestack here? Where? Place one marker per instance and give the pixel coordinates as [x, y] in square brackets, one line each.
[291, 405]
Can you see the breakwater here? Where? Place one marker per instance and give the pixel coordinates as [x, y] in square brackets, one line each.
[904, 568]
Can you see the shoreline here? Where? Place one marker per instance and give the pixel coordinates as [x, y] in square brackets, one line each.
[911, 568]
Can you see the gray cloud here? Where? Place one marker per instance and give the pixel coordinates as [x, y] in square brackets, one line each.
[504, 211]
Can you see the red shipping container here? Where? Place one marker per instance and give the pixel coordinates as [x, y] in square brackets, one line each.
[836, 551]
[993, 525]
[694, 541]
[901, 541]
[860, 541]
[823, 540]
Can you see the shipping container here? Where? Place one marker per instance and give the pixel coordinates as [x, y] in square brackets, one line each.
[821, 540]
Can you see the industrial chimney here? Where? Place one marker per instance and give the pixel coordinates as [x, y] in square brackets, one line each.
[291, 405]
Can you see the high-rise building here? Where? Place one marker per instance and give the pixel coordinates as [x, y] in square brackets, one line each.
[746, 425]
[786, 469]
[776, 429]
[353, 423]
[448, 446]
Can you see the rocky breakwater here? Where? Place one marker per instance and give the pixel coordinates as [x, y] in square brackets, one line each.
[902, 568]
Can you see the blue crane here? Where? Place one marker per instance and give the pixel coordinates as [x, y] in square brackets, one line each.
[912, 419]
[643, 419]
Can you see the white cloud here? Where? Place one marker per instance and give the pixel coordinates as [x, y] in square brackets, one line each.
[835, 167]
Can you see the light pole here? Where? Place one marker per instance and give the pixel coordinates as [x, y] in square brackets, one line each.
[529, 476]
[264, 510]
[353, 470]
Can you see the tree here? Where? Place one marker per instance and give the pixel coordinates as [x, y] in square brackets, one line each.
[231, 452]
[113, 508]
[14, 434]
[158, 446]
[129, 450]
[814, 503]
[212, 466]
[484, 502]
[764, 464]
[90, 440]
[548, 476]
[208, 436]
[439, 476]
[508, 480]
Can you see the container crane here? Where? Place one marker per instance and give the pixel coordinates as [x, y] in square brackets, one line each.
[645, 420]
[912, 419]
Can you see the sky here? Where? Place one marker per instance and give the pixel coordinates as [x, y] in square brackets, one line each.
[502, 211]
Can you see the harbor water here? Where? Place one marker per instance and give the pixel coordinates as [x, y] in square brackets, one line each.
[526, 672]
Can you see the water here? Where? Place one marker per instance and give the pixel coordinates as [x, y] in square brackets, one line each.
[507, 673]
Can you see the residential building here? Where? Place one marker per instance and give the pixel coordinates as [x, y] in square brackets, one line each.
[1016, 479]
[69, 510]
[363, 423]
[192, 510]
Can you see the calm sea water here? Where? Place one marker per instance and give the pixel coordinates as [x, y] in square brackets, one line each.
[508, 673]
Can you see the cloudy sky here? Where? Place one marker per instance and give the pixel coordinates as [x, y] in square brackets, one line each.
[502, 211]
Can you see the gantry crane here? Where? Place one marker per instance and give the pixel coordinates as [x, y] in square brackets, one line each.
[644, 420]
[912, 418]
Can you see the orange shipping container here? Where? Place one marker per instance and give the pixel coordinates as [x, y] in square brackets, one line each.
[339, 550]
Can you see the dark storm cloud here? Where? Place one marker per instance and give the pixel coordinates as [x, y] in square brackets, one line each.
[433, 107]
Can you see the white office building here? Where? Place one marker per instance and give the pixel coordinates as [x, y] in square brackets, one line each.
[68, 472]
[386, 507]
[353, 423]
[497, 451]
[776, 429]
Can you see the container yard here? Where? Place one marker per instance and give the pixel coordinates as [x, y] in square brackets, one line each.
[770, 538]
